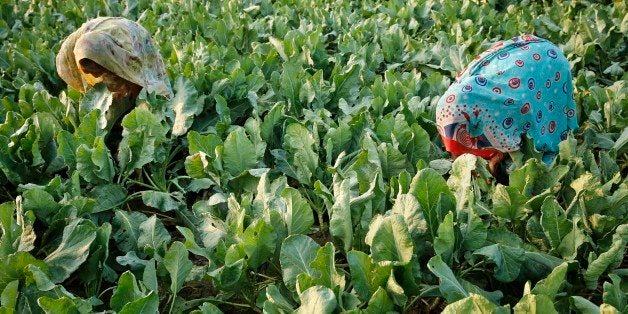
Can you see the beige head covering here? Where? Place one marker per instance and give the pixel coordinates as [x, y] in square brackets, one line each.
[119, 45]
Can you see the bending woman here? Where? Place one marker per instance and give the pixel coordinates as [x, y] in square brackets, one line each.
[518, 86]
[117, 52]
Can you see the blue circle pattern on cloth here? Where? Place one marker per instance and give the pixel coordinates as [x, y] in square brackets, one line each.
[522, 85]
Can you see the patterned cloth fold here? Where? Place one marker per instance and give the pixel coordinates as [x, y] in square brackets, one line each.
[518, 86]
[121, 46]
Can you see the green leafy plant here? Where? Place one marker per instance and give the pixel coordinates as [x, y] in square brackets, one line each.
[298, 167]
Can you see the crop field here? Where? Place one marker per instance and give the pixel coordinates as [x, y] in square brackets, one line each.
[299, 168]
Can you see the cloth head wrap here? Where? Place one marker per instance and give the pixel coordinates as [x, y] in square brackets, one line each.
[121, 46]
[518, 86]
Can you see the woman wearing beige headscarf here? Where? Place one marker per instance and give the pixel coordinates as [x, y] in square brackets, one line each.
[117, 52]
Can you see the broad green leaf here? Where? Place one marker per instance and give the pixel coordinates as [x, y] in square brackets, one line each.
[161, 200]
[97, 98]
[611, 258]
[207, 308]
[460, 179]
[534, 177]
[340, 221]
[45, 285]
[339, 138]
[494, 296]
[291, 82]
[67, 146]
[391, 159]
[301, 147]
[72, 251]
[418, 147]
[185, 104]
[551, 285]
[509, 203]
[143, 132]
[554, 222]
[345, 83]
[127, 291]
[582, 305]
[325, 272]
[570, 243]
[445, 241]
[531, 303]
[274, 296]
[474, 232]
[40, 202]
[131, 260]
[407, 206]
[88, 129]
[239, 153]
[298, 216]
[211, 232]
[178, 265]
[539, 264]
[389, 240]
[444, 205]
[149, 277]
[258, 242]
[297, 253]
[380, 302]
[474, 303]
[14, 267]
[8, 298]
[449, 286]
[92, 270]
[144, 305]
[95, 164]
[127, 229]
[62, 305]
[317, 299]
[203, 143]
[366, 275]
[507, 260]
[427, 186]
[108, 196]
[613, 293]
[229, 276]
[10, 229]
[395, 291]
[152, 236]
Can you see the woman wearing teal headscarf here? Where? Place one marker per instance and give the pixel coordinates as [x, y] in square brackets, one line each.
[518, 86]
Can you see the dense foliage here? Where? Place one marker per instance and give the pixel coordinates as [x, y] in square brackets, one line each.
[299, 168]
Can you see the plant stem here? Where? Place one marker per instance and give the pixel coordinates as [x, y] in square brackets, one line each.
[142, 184]
[416, 298]
[572, 204]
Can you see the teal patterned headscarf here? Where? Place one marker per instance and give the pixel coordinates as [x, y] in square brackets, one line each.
[518, 86]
